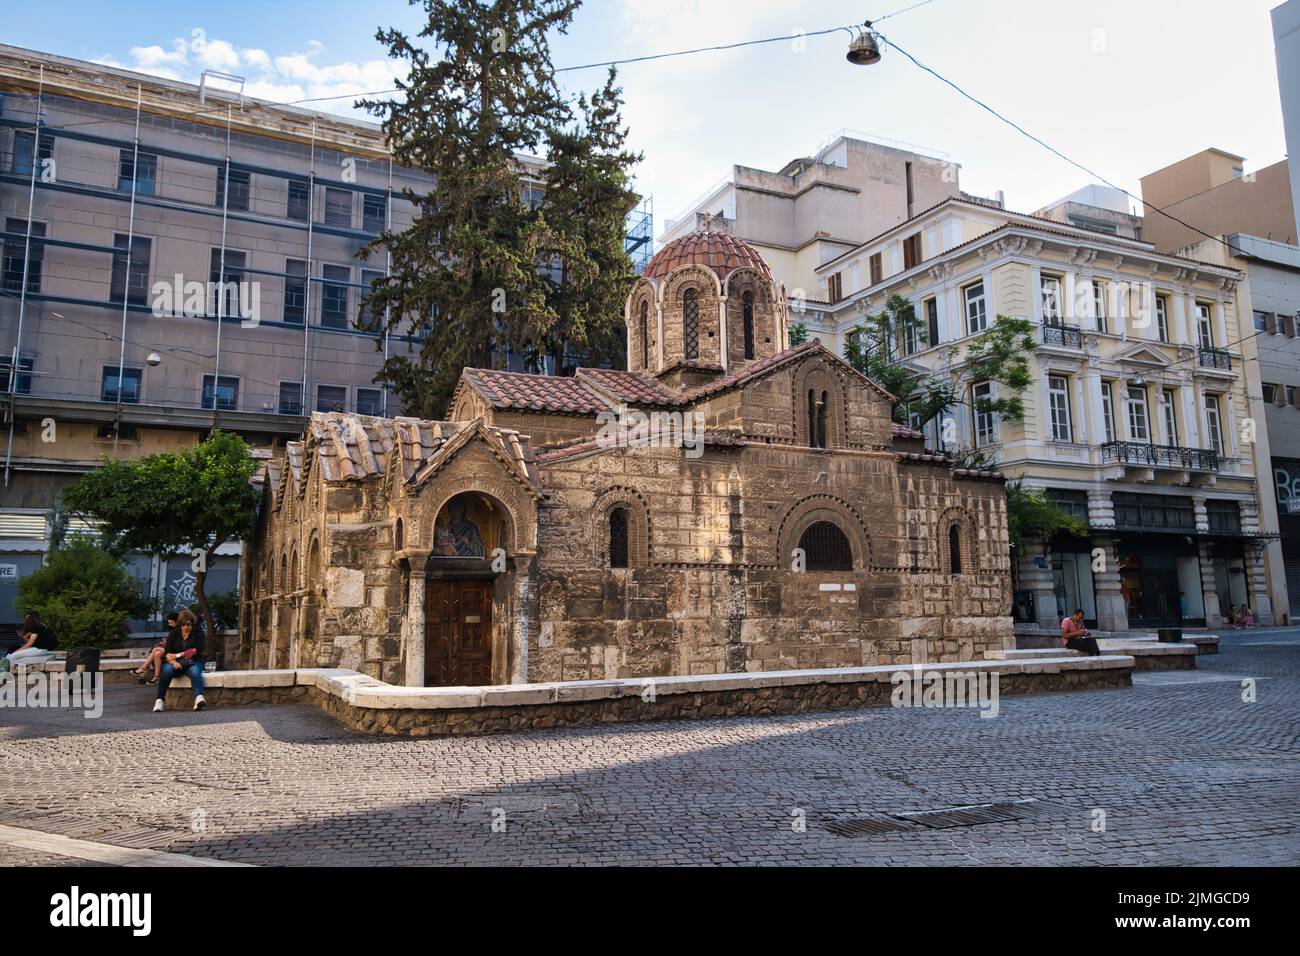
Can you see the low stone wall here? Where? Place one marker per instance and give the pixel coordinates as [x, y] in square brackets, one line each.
[371, 706]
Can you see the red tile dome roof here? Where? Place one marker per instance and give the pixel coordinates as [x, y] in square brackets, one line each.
[720, 251]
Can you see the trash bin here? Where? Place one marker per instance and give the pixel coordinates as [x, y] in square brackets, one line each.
[1169, 635]
[78, 657]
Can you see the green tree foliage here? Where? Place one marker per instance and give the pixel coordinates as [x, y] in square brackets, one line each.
[186, 503]
[485, 266]
[1000, 354]
[1030, 514]
[797, 333]
[84, 594]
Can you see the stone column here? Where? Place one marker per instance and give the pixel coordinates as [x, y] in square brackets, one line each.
[522, 586]
[1256, 566]
[275, 630]
[1035, 575]
[1209, 593]
[295, 628]
[1112, 612]
[415, 649]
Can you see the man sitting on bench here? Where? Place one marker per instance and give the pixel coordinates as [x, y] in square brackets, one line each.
[1075, 636]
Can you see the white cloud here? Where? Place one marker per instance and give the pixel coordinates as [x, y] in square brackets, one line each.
[284, 77]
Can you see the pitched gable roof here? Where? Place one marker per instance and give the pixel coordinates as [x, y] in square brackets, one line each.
[540, 393]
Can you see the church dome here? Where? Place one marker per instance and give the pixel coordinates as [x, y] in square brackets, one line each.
[719, 251]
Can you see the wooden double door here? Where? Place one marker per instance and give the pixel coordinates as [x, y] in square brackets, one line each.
[458, 633]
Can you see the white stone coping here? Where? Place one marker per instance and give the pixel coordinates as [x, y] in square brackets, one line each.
[1109, 648]
[362, 691]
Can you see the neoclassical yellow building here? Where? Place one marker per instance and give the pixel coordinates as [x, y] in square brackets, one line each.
[1144, 417]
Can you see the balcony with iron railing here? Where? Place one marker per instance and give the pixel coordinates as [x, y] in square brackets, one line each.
[1214, 358]
[1160, 456]
[1067, 336]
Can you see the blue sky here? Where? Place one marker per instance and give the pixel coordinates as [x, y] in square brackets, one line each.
[1123, 87]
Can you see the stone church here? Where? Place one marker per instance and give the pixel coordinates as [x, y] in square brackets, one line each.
[726, 504]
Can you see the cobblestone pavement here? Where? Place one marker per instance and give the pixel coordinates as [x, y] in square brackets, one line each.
[1184, 770]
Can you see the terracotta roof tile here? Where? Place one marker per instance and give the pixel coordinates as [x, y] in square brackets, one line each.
[634, 388]
[541, 393]
[719, 251]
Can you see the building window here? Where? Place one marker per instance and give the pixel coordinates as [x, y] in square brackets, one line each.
[1058, 397]
[136, 290]
[1051, 292]
[1261, 321]
[618, 538]
[826, 548]
[331, 398]
[691, 323]
[1270, 392]
[747, 311]
[835, 287]
[374, 212]
[1290, 394]
[240, 187]
[1107, 411]
[291, 398]
[1162, 318]
[24, 142]
[144, 173]
[1138, 429]
[1204, 327]
[533, 196]
[334, 297]
[911, 334]
[370, 401]
[1212, 423]
[645, 334]
[977, 317]
[295, 291]
[227, 392]
[130, 390]
[932, 321]
[954, 549]
[1099, 305]
[224, 284]
[877, 266]
[298, 207]
[986, 422]
[23, 384]
[368, 319]
[912, 251]
[338, 207]
[15, 254]
[1169, 415]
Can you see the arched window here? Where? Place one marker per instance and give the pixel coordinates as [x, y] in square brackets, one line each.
[747, 307]
[618, 538]
[954, 549]
[398, 542]
[691, 323]
[645, 335]
[826, 548]
[817, 418]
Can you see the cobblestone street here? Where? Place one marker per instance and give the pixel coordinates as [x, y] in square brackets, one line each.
[1184, 770]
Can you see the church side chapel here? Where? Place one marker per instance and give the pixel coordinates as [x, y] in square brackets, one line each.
[514, 542]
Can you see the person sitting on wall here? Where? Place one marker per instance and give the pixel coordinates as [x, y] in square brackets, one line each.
[1075, 636]
[155, 657]
[1247, 617]
[39, 644]
[183, 654]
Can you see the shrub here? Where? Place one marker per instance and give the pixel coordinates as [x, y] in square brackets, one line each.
[84, 594]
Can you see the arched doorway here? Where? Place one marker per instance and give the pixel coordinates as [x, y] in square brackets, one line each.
[472, 535]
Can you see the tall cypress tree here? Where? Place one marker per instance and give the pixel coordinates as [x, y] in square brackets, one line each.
[465, 276]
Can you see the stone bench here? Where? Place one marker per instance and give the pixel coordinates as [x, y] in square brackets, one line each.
[370, 705]
[1147, 655]
[116, 670]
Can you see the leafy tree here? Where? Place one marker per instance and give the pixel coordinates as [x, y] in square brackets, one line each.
[483, 266]
[797, 333]
[1031, 514]
[187, 503]
[85, 594]
[1000, 354]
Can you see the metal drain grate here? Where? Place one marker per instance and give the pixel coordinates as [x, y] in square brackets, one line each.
[976, 814]
[866, 826]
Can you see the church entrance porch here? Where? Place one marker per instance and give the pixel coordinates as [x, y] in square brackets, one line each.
[458, 625]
